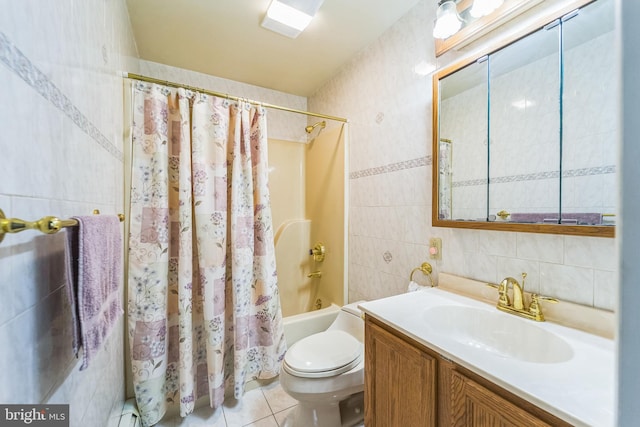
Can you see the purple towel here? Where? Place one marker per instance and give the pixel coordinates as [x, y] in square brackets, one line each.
[588, 218]
[94, 272]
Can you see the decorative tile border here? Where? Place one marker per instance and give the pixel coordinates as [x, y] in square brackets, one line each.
[469, 183]
[17, 62]
[393, 167]
[571, 173]
[425, 161]
[599, 170]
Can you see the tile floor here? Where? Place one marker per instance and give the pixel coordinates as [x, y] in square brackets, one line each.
[266, 406]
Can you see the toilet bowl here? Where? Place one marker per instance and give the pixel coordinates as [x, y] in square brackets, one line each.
[326, 369]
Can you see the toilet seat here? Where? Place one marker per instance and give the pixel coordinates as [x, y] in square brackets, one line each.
[322, 355]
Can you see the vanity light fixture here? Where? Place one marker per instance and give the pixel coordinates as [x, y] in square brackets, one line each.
[484, 7]
[448, 21]
[290, 17]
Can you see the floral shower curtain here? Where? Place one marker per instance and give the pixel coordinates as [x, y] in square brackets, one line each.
[204, 310]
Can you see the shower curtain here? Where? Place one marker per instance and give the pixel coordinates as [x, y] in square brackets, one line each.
[204, 310]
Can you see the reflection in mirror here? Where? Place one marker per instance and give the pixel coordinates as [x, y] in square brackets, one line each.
[524, 136]
[524, 147]
[589, 114]
[463, 133]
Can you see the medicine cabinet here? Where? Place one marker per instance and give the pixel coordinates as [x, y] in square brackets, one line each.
[525, 135]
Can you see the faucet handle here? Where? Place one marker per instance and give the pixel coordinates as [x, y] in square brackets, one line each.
[534, 308]
[538, 297]
[502, 291]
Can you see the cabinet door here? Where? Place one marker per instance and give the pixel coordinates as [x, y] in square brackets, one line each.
[475, 406]
[400, 381]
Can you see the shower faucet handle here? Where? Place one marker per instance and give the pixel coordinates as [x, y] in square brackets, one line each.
[317, 252]
[315, 275]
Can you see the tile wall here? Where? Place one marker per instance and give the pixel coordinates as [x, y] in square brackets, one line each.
[62, 155]
[389, 105]
[385, 93]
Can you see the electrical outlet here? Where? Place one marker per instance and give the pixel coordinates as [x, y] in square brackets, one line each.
[435, 248]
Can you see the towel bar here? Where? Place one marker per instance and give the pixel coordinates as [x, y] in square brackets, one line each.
[47, 224]
[426, 269]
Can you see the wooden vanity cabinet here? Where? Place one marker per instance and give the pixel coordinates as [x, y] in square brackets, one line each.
[408, 384]
[475, 405]
[400, 381]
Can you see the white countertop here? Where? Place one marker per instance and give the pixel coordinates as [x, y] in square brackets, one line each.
[579, 390]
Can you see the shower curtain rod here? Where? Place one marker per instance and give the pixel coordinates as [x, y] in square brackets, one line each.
[226, 95]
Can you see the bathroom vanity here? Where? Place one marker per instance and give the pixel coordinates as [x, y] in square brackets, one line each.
[409, 384]
[437, 358]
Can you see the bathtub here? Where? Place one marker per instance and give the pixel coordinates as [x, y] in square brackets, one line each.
[302, 325]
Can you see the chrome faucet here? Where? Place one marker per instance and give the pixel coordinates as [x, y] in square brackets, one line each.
[517, 307]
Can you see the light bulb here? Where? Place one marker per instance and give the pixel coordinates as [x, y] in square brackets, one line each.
[447, 20]
[484, 7]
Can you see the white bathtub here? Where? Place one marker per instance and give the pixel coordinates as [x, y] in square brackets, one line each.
[304, 324]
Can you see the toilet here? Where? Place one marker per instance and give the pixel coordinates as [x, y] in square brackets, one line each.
[324, 372]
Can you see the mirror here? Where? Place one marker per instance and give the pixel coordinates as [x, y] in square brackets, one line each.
[463, 150]
[524, 135]
[524, 122]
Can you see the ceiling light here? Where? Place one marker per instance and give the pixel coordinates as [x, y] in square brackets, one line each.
[484, 7]
[447, 20]
[290, 17]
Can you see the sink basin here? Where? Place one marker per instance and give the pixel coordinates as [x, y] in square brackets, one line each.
[500, 334]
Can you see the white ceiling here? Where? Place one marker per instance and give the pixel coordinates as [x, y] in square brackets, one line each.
[224, 38]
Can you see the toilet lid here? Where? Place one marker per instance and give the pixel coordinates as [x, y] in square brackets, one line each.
[324, 351]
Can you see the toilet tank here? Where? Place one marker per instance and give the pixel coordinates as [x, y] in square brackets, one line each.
[350, 320]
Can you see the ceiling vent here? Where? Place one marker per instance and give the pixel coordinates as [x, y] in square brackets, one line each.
[290, 17]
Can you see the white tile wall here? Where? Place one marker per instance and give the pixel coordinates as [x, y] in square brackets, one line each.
[61, 115]
[389, 108]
